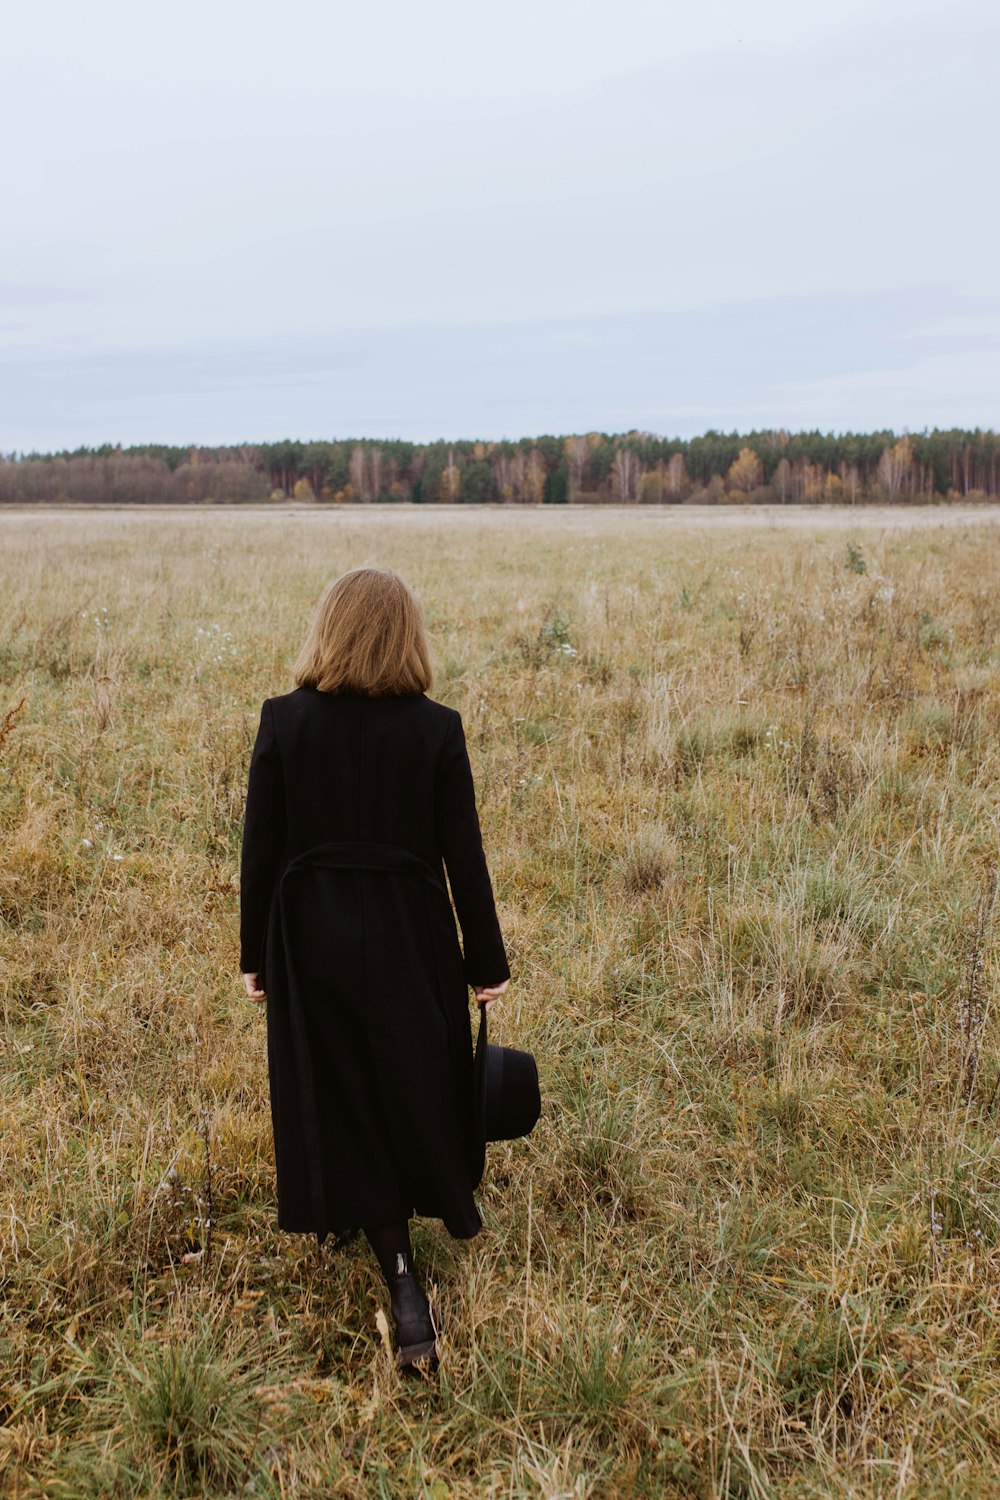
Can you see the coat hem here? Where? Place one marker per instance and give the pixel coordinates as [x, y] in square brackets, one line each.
[463, 1233]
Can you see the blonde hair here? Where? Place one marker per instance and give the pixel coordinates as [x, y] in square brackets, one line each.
[367, 635]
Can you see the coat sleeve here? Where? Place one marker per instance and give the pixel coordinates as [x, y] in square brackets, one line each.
[462, 848]
[263, 841]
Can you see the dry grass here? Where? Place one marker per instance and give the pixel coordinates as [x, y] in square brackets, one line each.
[741, 806]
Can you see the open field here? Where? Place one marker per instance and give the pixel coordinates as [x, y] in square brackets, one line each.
[585, 520]
[738, 777]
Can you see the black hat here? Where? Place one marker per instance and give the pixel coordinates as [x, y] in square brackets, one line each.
[507, 1097]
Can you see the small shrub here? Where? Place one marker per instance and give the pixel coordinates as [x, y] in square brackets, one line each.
[932, 635]
[184, 1406]
[597, 1373]
[781, 953]
[650, 860]
[604, 1151]
[692, 746]
[555, 632]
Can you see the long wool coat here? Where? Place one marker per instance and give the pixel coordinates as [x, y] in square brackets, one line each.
[355, 808]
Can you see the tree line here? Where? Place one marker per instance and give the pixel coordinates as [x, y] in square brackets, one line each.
[593, 468]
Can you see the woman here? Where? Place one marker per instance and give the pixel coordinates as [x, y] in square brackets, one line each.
[359, 797]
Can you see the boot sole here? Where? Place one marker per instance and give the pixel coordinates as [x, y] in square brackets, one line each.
[409, 1354]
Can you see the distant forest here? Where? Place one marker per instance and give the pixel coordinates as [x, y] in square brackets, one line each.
[596, 468]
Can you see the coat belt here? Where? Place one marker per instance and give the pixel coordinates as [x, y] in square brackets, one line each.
[363, 855]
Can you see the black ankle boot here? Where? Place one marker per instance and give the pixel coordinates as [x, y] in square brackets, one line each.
[411, 1314]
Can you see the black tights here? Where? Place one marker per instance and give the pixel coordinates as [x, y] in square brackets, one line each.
[390, 1241]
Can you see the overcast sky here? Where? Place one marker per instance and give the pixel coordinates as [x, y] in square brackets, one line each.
[228, 222]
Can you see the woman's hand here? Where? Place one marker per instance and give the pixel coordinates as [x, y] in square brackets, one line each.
[250, 980]
[486, 994]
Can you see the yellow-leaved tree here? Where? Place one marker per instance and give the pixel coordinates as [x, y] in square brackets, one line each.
[451, 480]
[676, 480]
[745, 472]
[895, 467]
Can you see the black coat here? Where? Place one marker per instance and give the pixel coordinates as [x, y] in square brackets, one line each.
[355, 807]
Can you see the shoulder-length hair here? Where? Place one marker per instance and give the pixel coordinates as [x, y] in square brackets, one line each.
[368, 636]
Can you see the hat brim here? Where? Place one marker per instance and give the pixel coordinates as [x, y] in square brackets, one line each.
[478, 1149]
